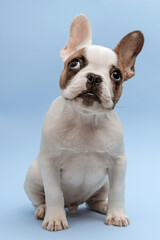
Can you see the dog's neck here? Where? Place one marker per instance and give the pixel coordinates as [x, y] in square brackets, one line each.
[84, 117]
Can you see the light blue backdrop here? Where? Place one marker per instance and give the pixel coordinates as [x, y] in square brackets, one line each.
[32, 33]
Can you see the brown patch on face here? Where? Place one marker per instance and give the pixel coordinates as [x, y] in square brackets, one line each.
[68, 73]
[117, 86]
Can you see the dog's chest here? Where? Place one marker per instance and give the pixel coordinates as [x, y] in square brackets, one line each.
[81, 150]
[81, 138]
[82, 174]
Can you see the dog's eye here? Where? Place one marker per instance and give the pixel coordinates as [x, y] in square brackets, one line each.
[74, 64]
[116, 75]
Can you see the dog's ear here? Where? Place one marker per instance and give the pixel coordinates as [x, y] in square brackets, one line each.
[127, 50]
[80, 36]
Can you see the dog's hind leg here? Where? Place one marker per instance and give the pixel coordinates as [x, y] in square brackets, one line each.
[97, 202]
[34, 189]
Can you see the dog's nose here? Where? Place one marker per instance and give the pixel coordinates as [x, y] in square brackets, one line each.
[94, 79]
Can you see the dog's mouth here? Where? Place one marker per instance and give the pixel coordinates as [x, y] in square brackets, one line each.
[89, 96]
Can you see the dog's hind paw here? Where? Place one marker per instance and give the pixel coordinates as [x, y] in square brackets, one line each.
[98, 206]
[40, 211]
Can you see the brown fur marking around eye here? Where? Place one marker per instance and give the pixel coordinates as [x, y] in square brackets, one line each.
[117, 87]
[67, 74]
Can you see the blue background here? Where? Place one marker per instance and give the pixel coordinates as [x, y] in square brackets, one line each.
[32, 33]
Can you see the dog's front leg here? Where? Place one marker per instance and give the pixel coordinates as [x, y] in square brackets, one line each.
[116, 213]
[55, 217]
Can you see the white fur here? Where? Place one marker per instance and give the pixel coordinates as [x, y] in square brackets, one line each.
[80, 149]
[83, 148]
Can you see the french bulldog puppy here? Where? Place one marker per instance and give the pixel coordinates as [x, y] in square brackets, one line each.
[82, 156]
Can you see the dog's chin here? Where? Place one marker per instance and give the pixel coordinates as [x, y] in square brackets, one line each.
[89, 103]
[88, 99]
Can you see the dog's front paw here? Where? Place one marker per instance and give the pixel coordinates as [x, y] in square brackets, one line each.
[117, 218]
[55, 222]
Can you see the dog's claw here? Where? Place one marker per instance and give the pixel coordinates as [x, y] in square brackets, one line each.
[64, 226]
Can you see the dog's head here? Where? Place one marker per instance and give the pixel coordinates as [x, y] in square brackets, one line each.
[93, 75]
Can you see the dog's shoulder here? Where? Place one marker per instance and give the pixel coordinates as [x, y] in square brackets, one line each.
[53, 115]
